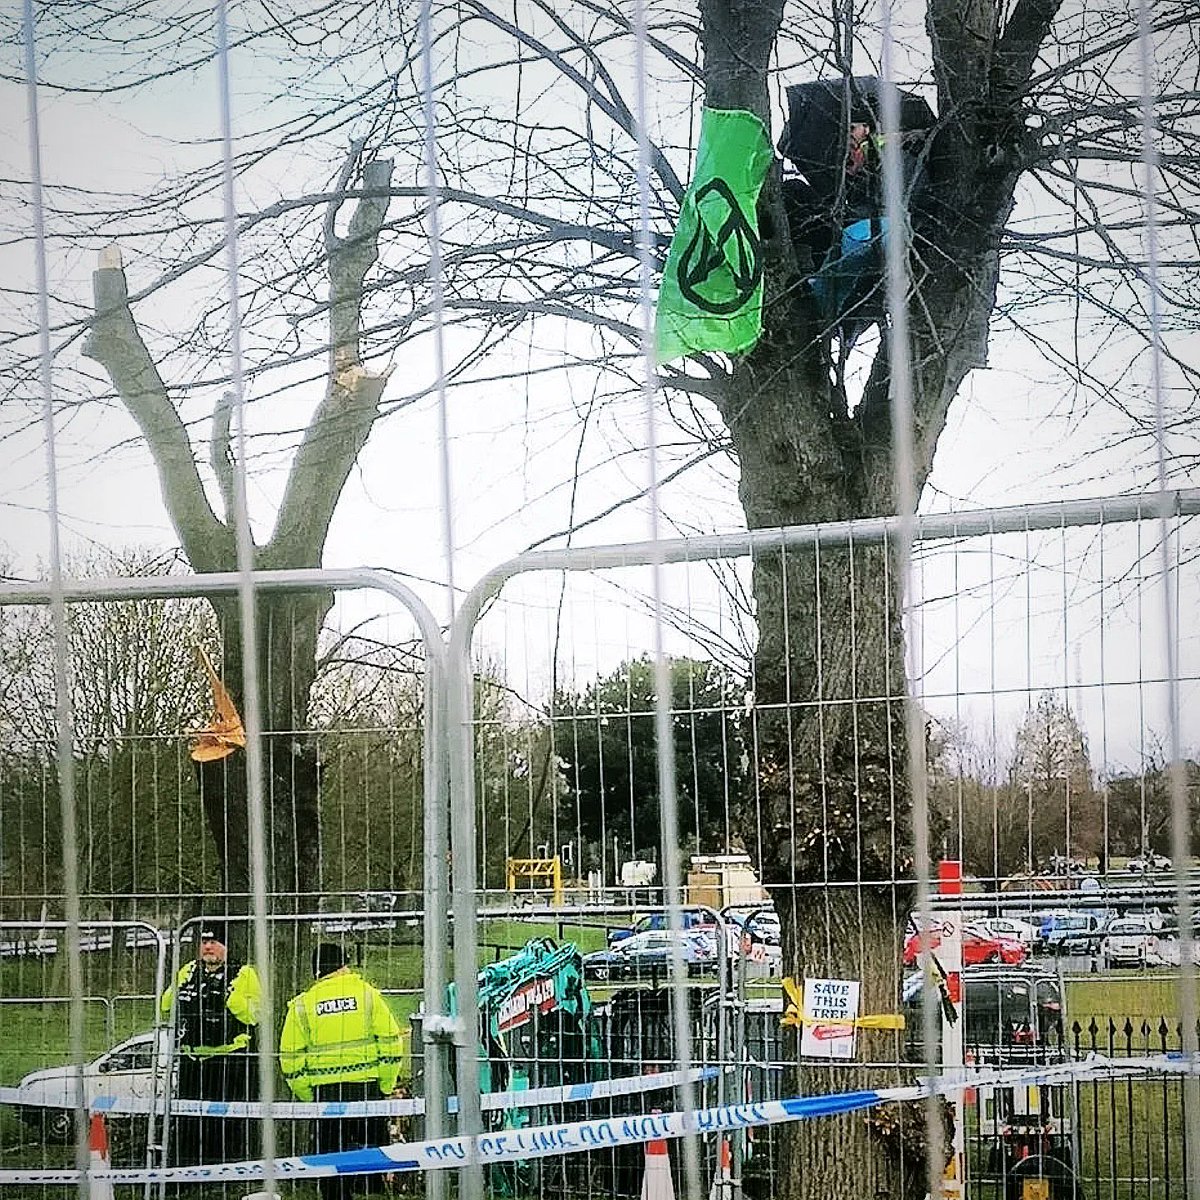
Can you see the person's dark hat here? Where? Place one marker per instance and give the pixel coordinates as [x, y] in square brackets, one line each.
[213, 931]
[326, 957]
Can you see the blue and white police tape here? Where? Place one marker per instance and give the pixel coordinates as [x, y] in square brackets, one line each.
[571, 1093]
[517, 1145]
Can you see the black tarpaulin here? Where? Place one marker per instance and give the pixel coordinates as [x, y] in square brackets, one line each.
[814, 140]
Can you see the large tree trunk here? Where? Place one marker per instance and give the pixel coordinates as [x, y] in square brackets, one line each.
[879, 1154]
[831, 821]
[288, 626]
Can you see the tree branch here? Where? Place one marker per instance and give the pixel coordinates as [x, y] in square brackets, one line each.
[614, 108]
[220, 452]
[115, 342]
[980, 151]
[350, 259]
[1022, 41]
[962, 33]
[339, 194]
[342, 423]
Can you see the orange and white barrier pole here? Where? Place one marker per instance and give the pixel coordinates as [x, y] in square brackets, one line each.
[657, 1183]
[722, 1185]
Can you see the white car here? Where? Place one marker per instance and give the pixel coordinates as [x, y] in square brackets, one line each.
[1011, 928]
[46, 1098]
[1128, 941]
[764, 928]
[1169, 953]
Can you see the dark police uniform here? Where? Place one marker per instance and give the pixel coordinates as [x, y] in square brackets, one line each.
[216, 1011]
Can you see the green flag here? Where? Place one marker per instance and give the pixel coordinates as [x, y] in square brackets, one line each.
[711, 293]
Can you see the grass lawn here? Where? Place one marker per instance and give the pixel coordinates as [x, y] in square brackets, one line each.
[1130, 1131]
[1121, 996]
[504, 936]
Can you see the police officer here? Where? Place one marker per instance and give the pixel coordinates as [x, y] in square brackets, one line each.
[216, 1003]
[340, 1042]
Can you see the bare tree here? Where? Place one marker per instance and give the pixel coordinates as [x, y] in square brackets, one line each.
[975, 815]
[1139, 803]
[1024, 811]
[136, 693]
[332, 440]
[1051, 769]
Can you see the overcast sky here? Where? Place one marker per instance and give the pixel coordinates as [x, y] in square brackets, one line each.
[1003, 620]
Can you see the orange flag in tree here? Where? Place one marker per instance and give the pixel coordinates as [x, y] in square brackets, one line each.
[224, 733]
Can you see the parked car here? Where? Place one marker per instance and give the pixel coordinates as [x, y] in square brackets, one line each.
[1128, 941]
[978, 946]
[1145, 863]
[46, 1098]
[1076, 933]
[763, 923]
[691, 918]
[1013, 929]
[1169, 953]
[752, 952]
[1049, 921]
[647, 954]
[1062, 864]
[755, 936]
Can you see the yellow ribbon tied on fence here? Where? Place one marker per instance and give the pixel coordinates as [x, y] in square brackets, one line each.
[793, 1013]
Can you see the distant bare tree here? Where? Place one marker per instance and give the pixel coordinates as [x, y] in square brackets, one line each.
[136, 692]
[1139, 804]
[976, 815]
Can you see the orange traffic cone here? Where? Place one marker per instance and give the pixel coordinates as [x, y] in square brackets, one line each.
[722, 1184]
[98, 1189]
[657, 1183]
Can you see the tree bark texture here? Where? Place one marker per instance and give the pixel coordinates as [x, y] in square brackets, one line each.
[288, 624]
[831, 823]
[830, 828]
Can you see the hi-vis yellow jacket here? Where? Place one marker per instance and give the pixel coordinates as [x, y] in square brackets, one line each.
[339, 1031]
[215, 1010]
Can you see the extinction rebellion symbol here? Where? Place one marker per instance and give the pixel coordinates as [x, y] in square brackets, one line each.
[719, 272]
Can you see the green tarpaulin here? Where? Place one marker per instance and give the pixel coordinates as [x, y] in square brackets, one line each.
[711, 293]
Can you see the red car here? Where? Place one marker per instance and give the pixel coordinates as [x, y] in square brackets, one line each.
[978, 947]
